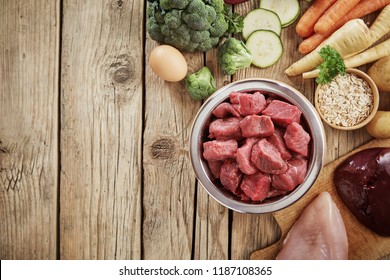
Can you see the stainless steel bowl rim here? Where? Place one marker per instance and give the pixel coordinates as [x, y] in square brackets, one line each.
[284, 91]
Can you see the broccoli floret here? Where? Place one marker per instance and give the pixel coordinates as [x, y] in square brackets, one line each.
[233, 55]
[199, 36]
[218, 5]
[208, 44]
[154, 11]
[174, 4]
[173, 19]
[155, 30]
[179, 37]
[203, 40]
[188, 25]
[196, 15]
[150, 10]
[200, 84]
[211, 14]
[219, 27]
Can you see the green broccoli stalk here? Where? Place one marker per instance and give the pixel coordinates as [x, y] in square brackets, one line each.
[233, 55]
[201, 84]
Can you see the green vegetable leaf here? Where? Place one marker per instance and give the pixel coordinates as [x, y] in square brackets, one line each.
[332, 66]
[235, 21]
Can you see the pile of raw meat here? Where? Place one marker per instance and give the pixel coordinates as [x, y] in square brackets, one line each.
[257, 147]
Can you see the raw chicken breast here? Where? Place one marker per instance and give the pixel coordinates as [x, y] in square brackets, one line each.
[319, 233]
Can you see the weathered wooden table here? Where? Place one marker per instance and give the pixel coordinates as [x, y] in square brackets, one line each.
[94, 157]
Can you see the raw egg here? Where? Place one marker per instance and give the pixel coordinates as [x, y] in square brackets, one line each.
[168, 63]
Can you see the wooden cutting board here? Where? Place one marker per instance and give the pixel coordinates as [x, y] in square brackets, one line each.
[363, 243]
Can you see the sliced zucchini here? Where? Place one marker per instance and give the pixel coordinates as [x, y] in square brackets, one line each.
[261, 19]
[287, 10]
[266, 48]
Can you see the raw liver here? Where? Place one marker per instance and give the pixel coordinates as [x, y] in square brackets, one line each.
[363, 184]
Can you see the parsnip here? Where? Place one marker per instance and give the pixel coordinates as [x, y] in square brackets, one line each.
[350, 39]
[370, 55]
[381, 25]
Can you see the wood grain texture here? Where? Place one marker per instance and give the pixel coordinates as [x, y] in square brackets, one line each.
[212, 228]
[212, 219]
[101, 129]
[169, 181]
[362, 242]
[29, 40]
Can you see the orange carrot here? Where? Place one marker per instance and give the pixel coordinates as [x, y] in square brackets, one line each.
[365, 7]
[305, 25]
[316, 39]
[339, 9]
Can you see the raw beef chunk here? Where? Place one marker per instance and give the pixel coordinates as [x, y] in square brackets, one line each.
[242, 196]
[219, 149]
[294, 176]
[225, 109]
[215, 167]
[277, 140]
[257, 126]
[230, 175]
[283, 113]
[256, 186]
[243, 157]
[267, 158]
[223, 129]
[256, 148]
[248, 104]
[275, 192]
[297, 139]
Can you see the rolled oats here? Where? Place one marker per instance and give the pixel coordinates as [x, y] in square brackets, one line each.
[346, 101]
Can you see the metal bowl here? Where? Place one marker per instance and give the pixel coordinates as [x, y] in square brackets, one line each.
[200, 126]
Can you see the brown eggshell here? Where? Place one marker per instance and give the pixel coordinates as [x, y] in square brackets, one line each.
[168, 63]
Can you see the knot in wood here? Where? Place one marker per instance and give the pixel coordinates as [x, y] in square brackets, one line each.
[163, 148]
[117, 4]
[122, 74]
[3, 149]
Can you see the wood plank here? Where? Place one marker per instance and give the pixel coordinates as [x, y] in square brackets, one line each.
[212, 228]
[29, 44]
[212, 219]
[169, 181]
[101, 129]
